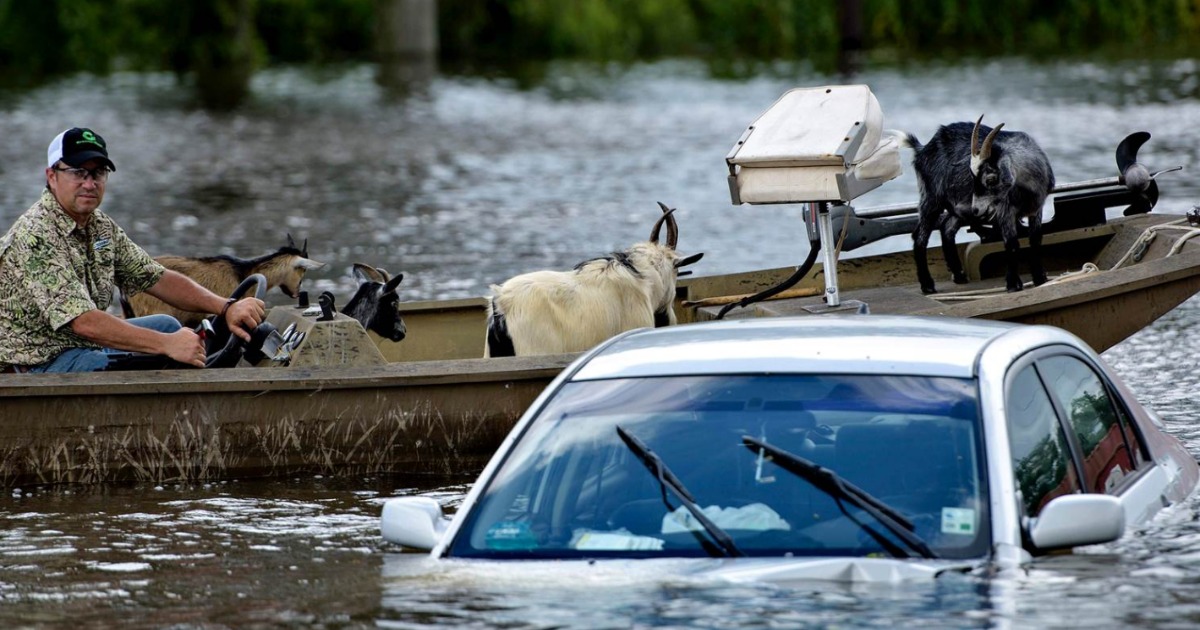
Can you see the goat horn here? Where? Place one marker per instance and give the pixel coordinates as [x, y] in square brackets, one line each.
[672, 226]
[985, 152]
[975, 137]
[658, 224]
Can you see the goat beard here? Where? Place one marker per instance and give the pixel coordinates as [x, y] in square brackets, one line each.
[984, 211]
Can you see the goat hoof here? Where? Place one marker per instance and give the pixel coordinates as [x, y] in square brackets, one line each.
[1039, 281]
[960, 278]
[928, 290]
[1012, 289]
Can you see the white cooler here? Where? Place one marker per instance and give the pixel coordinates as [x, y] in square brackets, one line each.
[823, 144]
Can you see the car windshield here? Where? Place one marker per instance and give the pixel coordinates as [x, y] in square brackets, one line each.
[572, 487]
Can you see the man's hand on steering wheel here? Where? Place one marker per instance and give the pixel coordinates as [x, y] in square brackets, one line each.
[232, 328]
[245, 315]
[186, 347]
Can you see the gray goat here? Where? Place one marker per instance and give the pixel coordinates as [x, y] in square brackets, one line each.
[999, 183]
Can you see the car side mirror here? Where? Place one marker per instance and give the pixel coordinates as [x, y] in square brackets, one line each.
[1077, 519]
[416, 522]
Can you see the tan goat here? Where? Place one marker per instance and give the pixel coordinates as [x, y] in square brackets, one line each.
[284, 268]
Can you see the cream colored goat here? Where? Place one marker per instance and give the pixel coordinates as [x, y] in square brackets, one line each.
[551, 312]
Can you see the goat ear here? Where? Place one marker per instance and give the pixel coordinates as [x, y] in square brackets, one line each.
[1006, 175]
[308, 263]
[683, 262]
[393, 283]
[366, 273]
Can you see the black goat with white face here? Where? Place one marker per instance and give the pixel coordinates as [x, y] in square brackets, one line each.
[998, 183]
[376, 304]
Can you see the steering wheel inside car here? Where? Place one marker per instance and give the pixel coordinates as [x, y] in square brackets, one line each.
[224, 349]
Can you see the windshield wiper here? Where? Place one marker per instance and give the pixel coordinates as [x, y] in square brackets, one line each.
[667, 480]
[835, 486]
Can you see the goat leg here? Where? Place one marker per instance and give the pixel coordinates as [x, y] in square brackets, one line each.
[920, 244]
[926, 220]
[1035, 250]
[948, 226]
[1012, 246]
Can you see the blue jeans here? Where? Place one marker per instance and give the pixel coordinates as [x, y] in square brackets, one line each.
[91, 360]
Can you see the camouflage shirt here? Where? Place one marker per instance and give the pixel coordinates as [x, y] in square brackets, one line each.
[52, 271]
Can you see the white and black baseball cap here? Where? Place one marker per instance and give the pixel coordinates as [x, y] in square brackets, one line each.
[76, 146]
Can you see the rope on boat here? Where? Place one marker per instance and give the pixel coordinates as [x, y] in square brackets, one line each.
[1141, 244]
[1087, 269]
[1183, 239]
[1147, 236]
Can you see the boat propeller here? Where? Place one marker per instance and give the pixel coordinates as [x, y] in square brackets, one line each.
[1136, 176]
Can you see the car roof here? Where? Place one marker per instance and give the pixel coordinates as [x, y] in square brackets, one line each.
[852, 344]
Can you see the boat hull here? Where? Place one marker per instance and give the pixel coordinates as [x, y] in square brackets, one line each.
[443, 417]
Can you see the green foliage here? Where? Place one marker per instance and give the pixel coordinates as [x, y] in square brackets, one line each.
[25, 27]
[768, 28]
[1032, 26]
[296, 31]
[614, 29]
[225, 40]
[595, 29]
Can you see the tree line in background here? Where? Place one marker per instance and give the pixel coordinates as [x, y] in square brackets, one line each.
[219, 43]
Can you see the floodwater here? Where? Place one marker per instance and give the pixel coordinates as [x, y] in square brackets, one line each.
[466, 181]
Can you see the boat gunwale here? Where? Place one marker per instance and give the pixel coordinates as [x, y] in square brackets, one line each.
[1086, 288]
[254, 379]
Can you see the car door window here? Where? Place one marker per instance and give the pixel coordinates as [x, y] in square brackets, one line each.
[1092, 416]
[1041, 458]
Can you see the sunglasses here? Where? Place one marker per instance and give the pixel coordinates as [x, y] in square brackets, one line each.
[98, 174]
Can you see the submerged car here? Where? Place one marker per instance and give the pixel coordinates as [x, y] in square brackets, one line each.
[860, 447]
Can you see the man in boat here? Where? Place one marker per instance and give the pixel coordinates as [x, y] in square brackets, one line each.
[60, 261]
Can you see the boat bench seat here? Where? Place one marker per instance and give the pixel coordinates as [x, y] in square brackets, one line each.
[814, 144]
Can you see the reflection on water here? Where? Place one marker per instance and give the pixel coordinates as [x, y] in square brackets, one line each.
[222, 553]
[469, 181]
[660, 594]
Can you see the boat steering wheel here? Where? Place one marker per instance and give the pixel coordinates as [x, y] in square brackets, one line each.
[222, 347]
